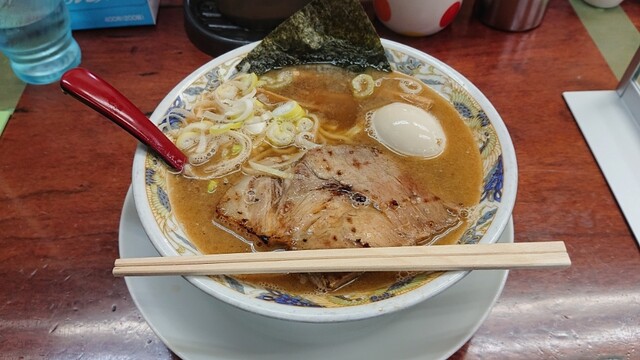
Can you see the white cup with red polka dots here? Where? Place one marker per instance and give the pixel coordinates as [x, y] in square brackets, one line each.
[416, 17]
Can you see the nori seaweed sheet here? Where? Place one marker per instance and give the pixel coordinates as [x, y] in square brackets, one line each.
[337, 32]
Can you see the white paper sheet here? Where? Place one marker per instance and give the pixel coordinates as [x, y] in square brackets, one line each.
[614, 138]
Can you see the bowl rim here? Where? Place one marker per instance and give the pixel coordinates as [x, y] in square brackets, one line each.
[339, 314]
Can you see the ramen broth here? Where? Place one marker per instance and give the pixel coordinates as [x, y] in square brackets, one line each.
[455, 176]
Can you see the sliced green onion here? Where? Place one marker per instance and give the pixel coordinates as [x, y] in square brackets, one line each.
[281, 133]
[240, 110]
[255, 126]
[246, 83]
[304, 124]
[362, 85]
[212, 186]
[187, 139]
[289, 111]
[258, 105]
[235, 149]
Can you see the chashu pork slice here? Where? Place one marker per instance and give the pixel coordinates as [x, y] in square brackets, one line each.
[340, 197]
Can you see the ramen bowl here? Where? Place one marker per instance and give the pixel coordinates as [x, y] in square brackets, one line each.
[486, 223]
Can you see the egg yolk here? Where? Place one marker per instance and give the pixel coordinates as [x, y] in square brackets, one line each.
[408, 130]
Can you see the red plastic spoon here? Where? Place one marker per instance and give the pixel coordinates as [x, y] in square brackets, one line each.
[105, 99]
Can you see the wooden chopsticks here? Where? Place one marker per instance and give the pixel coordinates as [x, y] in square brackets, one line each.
[552, 254]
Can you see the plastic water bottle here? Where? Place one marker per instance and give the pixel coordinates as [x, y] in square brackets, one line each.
[36, 37]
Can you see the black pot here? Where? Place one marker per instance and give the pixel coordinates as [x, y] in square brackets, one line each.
[259, 14]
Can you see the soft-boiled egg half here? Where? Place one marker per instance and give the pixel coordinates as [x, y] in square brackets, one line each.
[407, 130]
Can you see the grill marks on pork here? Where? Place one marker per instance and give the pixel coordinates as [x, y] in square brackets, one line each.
[341, 196]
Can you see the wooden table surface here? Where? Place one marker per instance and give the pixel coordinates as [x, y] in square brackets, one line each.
[64, 173]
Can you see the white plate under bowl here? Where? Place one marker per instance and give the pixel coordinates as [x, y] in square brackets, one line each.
[197, 326]
[491, 215]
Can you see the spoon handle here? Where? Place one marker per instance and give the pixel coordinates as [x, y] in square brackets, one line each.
[105, 99]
